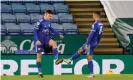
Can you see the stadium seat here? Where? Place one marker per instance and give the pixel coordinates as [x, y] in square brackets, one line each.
[18, 8]
[12, 29]
[29, 1]
[70, 28]
[6, 8]
[22, 52]
[22, 18]
[8, 18]
[32, 8]
[33, 52]
[65, 18]
[35, 17]
[15, 1]
[3, 30]
[57, 1]
[5, 1]
[61, 8]
[55, 19]
[45, 7]
[44, 1]
[58, 27]
[26, 28]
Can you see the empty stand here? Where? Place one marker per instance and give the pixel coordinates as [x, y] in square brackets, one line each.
[18, 8]
[3, 30]
[32, 8]
[5, 8]
[13, 29]
[55, 19]
[65, 18]
[22, 18]
[58, 27]
[61, 8]
[8, 18]
[82, 12]
[70, 28]
[35, 17]
[26, 29]
[45, 6]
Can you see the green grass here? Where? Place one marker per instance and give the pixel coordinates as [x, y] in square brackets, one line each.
[70, 77]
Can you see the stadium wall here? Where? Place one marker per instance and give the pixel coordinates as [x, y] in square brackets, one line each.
[68, 45]
[26, 65]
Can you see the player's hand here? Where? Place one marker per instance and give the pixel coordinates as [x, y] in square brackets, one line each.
[38, 43]
[61, 36]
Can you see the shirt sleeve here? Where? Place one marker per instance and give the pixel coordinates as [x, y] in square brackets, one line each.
[36, 28]
[53, 30]
[91, 34]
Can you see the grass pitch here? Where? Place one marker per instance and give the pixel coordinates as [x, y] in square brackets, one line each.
[70, 77]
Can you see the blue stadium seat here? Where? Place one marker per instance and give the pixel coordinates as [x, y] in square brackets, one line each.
[57, 1]
[61, 8]
[33, 52]
[26, 28]
[55, 19]
[29, 1]
[22, 52]
[58, 27]
[70, 28]
[32, 8]
[13, 29]
[18, 8]
[15, 1]
[22, 18]
[5, 1]
[45, 7]
[35, 17]
[44, 1]
[65, 18]
[3, 30]
[8, 18]
[6, 8]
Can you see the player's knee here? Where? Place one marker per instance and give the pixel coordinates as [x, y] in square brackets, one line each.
[53, 44]
[80, 50]
[89, 57]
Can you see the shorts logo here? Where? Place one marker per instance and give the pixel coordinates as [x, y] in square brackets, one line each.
[39, 48]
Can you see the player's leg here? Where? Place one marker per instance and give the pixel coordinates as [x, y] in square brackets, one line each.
[89, 58]
[39, 51]
[55, 51]
[54, 48]
[77, 54]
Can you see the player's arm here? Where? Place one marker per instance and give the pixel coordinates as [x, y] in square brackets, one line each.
[100, 32]
[36, 28]
[56, 33]
[91, 34]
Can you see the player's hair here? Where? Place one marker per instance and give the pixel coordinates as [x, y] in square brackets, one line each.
[97, 13]
[49, 12]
